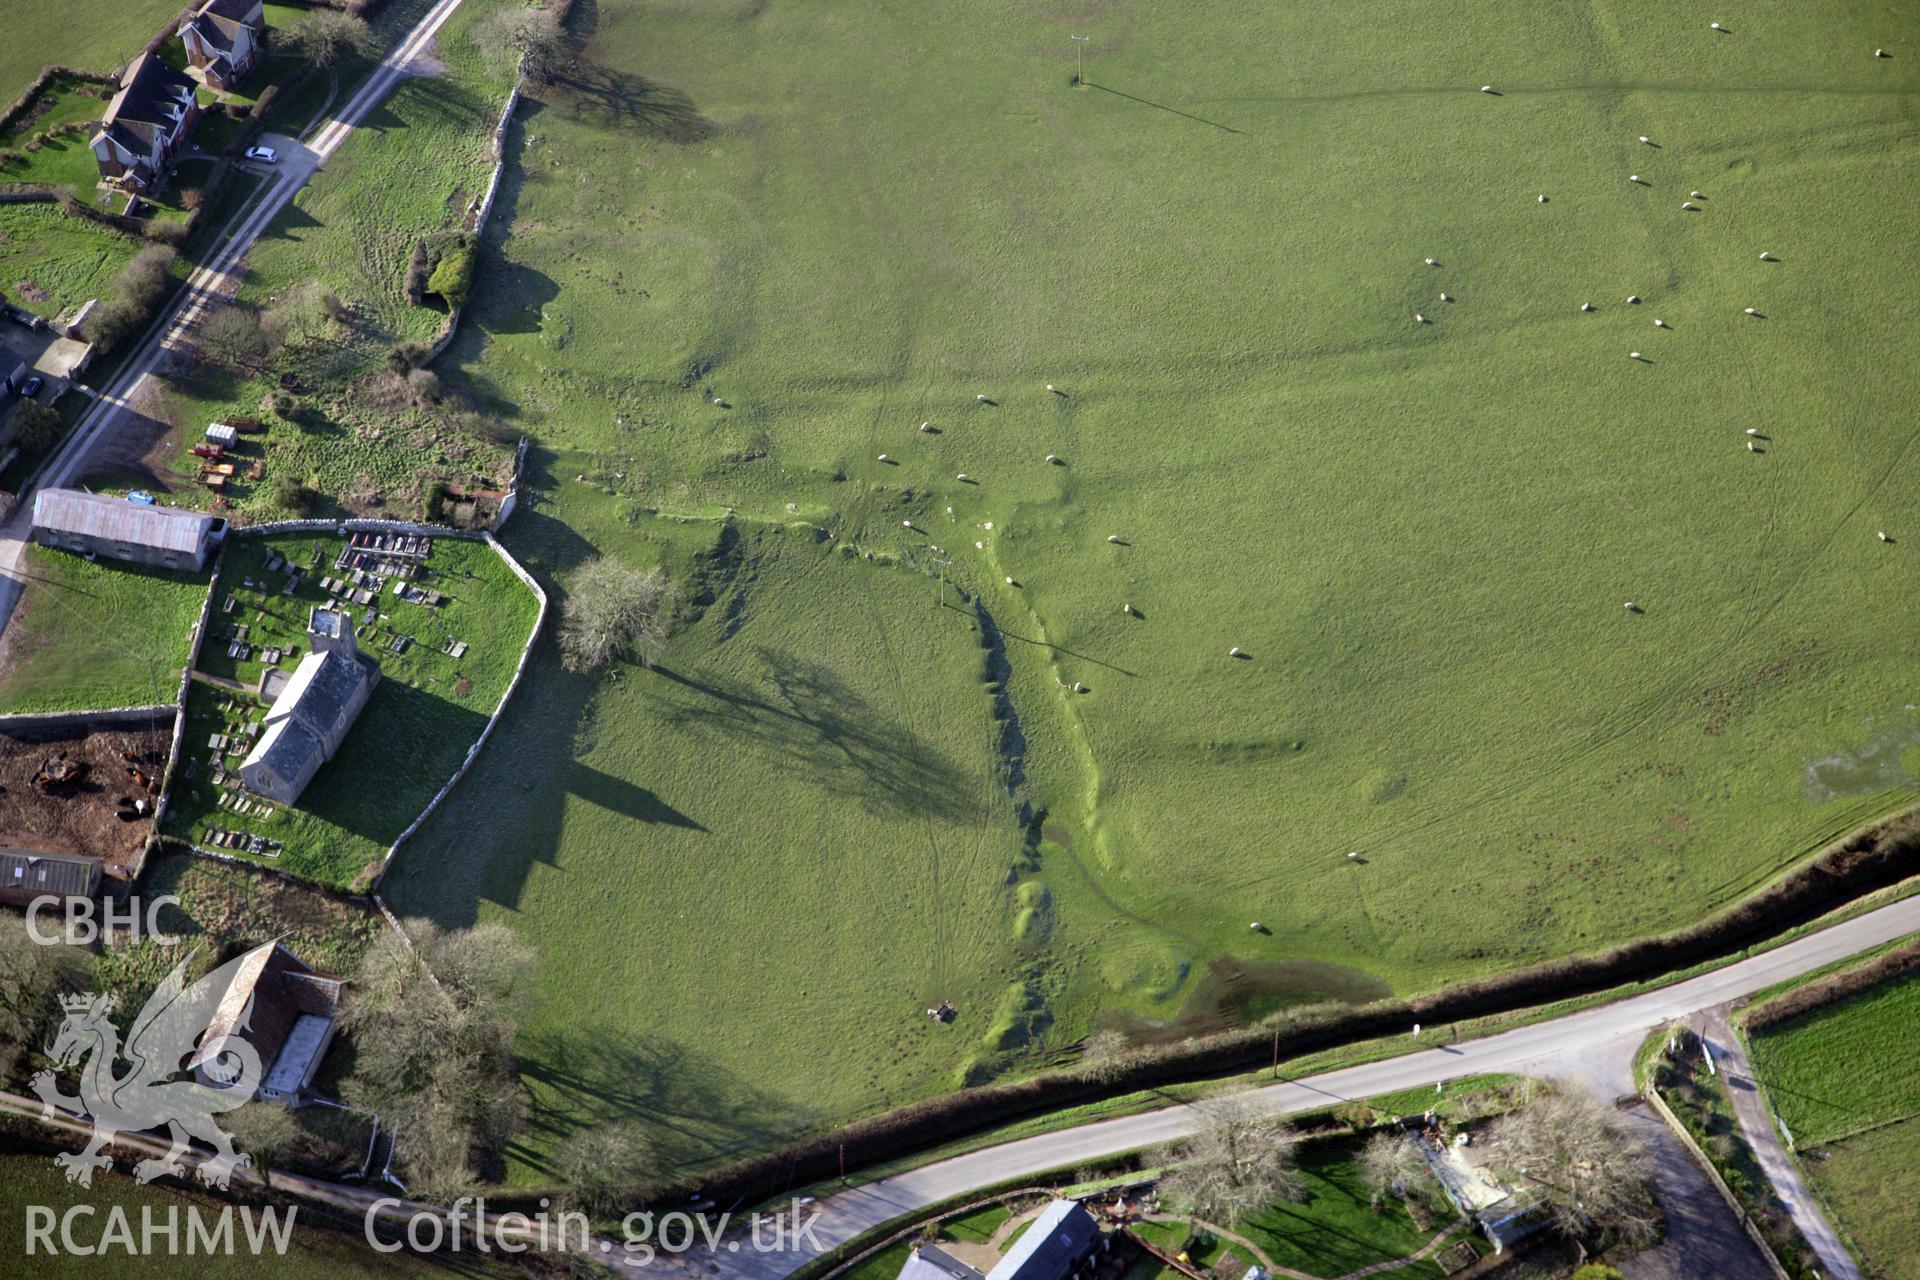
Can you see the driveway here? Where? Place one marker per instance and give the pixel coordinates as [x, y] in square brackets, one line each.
[296, 160]
[1703, 1238]
[1757, 1127]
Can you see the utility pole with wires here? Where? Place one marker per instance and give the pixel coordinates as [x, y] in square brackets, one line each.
[1079, 59]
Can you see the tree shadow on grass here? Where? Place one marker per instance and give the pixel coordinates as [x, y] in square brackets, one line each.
[693, 1112]
[805, 720]
[622, 100]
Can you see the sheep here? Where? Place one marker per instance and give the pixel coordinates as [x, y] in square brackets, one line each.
[1696, 195]
[1009, 579]
[1433, 262]
[1881, 53]
[1753, 431]
[1053, 388]
[1882, 535]
[1353, 855]
[1714, 26]
[1752, 311]
[1236, 652]
[964, 478]
[1659, 324]
[885, 458]
[722, 403]
[1486, 88]
[1631, 607]
[1256, 926]
[1418, 318]
[1633, 299]
[1127, 609]
[1765, 256]
[1054, 458]
[1644, 138]
[1446, 297]
[906, 524]
[1586, 306]
[1688, 204]
[927, 427]
[1752, 447]
[1078, 687]
[1633, 177]
[1113, 537]
[1543, 199]
[1633, 355]
[981, 398]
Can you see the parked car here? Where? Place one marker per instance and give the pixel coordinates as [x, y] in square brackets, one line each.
[265, 155]
[31, 387]
[140, 496]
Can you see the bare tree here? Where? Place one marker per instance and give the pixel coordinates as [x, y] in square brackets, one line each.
[265, 1131]
[31, 976]
[530, 39]
[598, 1164]
[613, 608]
[1240, 1159]
[234, 336]
[1390, 1163]
[433, 1026]
[1105, 1057]
[325, 36]
[1574, 1151]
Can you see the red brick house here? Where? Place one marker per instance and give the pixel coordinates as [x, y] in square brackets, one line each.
[145, 125]
[224, 40]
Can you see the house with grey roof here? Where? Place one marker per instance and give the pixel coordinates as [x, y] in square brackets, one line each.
[312, 712]
[224, 40]
[1062, 1243]
[145, 124]
[93, 524]
[28, 875]
[284, 1011]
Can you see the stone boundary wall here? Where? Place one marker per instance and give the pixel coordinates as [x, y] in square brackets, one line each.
[90, 719]
[198, 637]
[451, 326]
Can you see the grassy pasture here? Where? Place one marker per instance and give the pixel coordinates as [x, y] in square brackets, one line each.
[1844, 1067]
[97, 35]
[424, 714]
[97, 634]
[1870, 1183]
[50, 262]
[847, 223]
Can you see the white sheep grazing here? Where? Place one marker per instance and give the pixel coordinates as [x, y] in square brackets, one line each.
[1418, 318]
[1633, 177]
[1752, 312]
[1714, 26]
[1113, 537]
[1765, 256]
[1688, 204]
[1352, 854]
[1446, 297]
[1881, 53]
[1054, 458]
[1009, 580]
[1631, 607]
[1659, 324]
[1753, 431]
[717, 400]
[1052, 388]
[926, 426]
[1633, 355]
[906, 524]
[885, 458]
[1633, 299]
[1752, 447]
[982, 399]
[1486, 88]
[1234, 652]
[1543, 199]
[1078, 687]
[964, 478]
[1433, 262]
[1586, 306]
[1696, 195]
[1644, 138]
[1127, 609]
[1882, 535]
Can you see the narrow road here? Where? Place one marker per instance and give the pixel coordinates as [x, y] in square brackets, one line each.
[1594, 1047]
[1757, 1126]
[218, 277]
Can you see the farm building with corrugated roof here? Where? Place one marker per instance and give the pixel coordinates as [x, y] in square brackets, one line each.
[94, 524]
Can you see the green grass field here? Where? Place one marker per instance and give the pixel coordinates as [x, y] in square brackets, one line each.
[1844, 1067]
[425, 713]
[64, 260]
[94, 35]
[844, 224]
[98, 634]
[1841, 1078]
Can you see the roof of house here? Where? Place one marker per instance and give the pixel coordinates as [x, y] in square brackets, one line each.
[931, 1262]
[152, 98]
[37, 871]
[1048, 1250]
[322, 686]
[270, 993]
[241, 11]
[117, 520]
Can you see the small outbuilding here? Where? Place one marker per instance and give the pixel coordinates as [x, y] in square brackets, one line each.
[30, 875]
[284, 1011]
